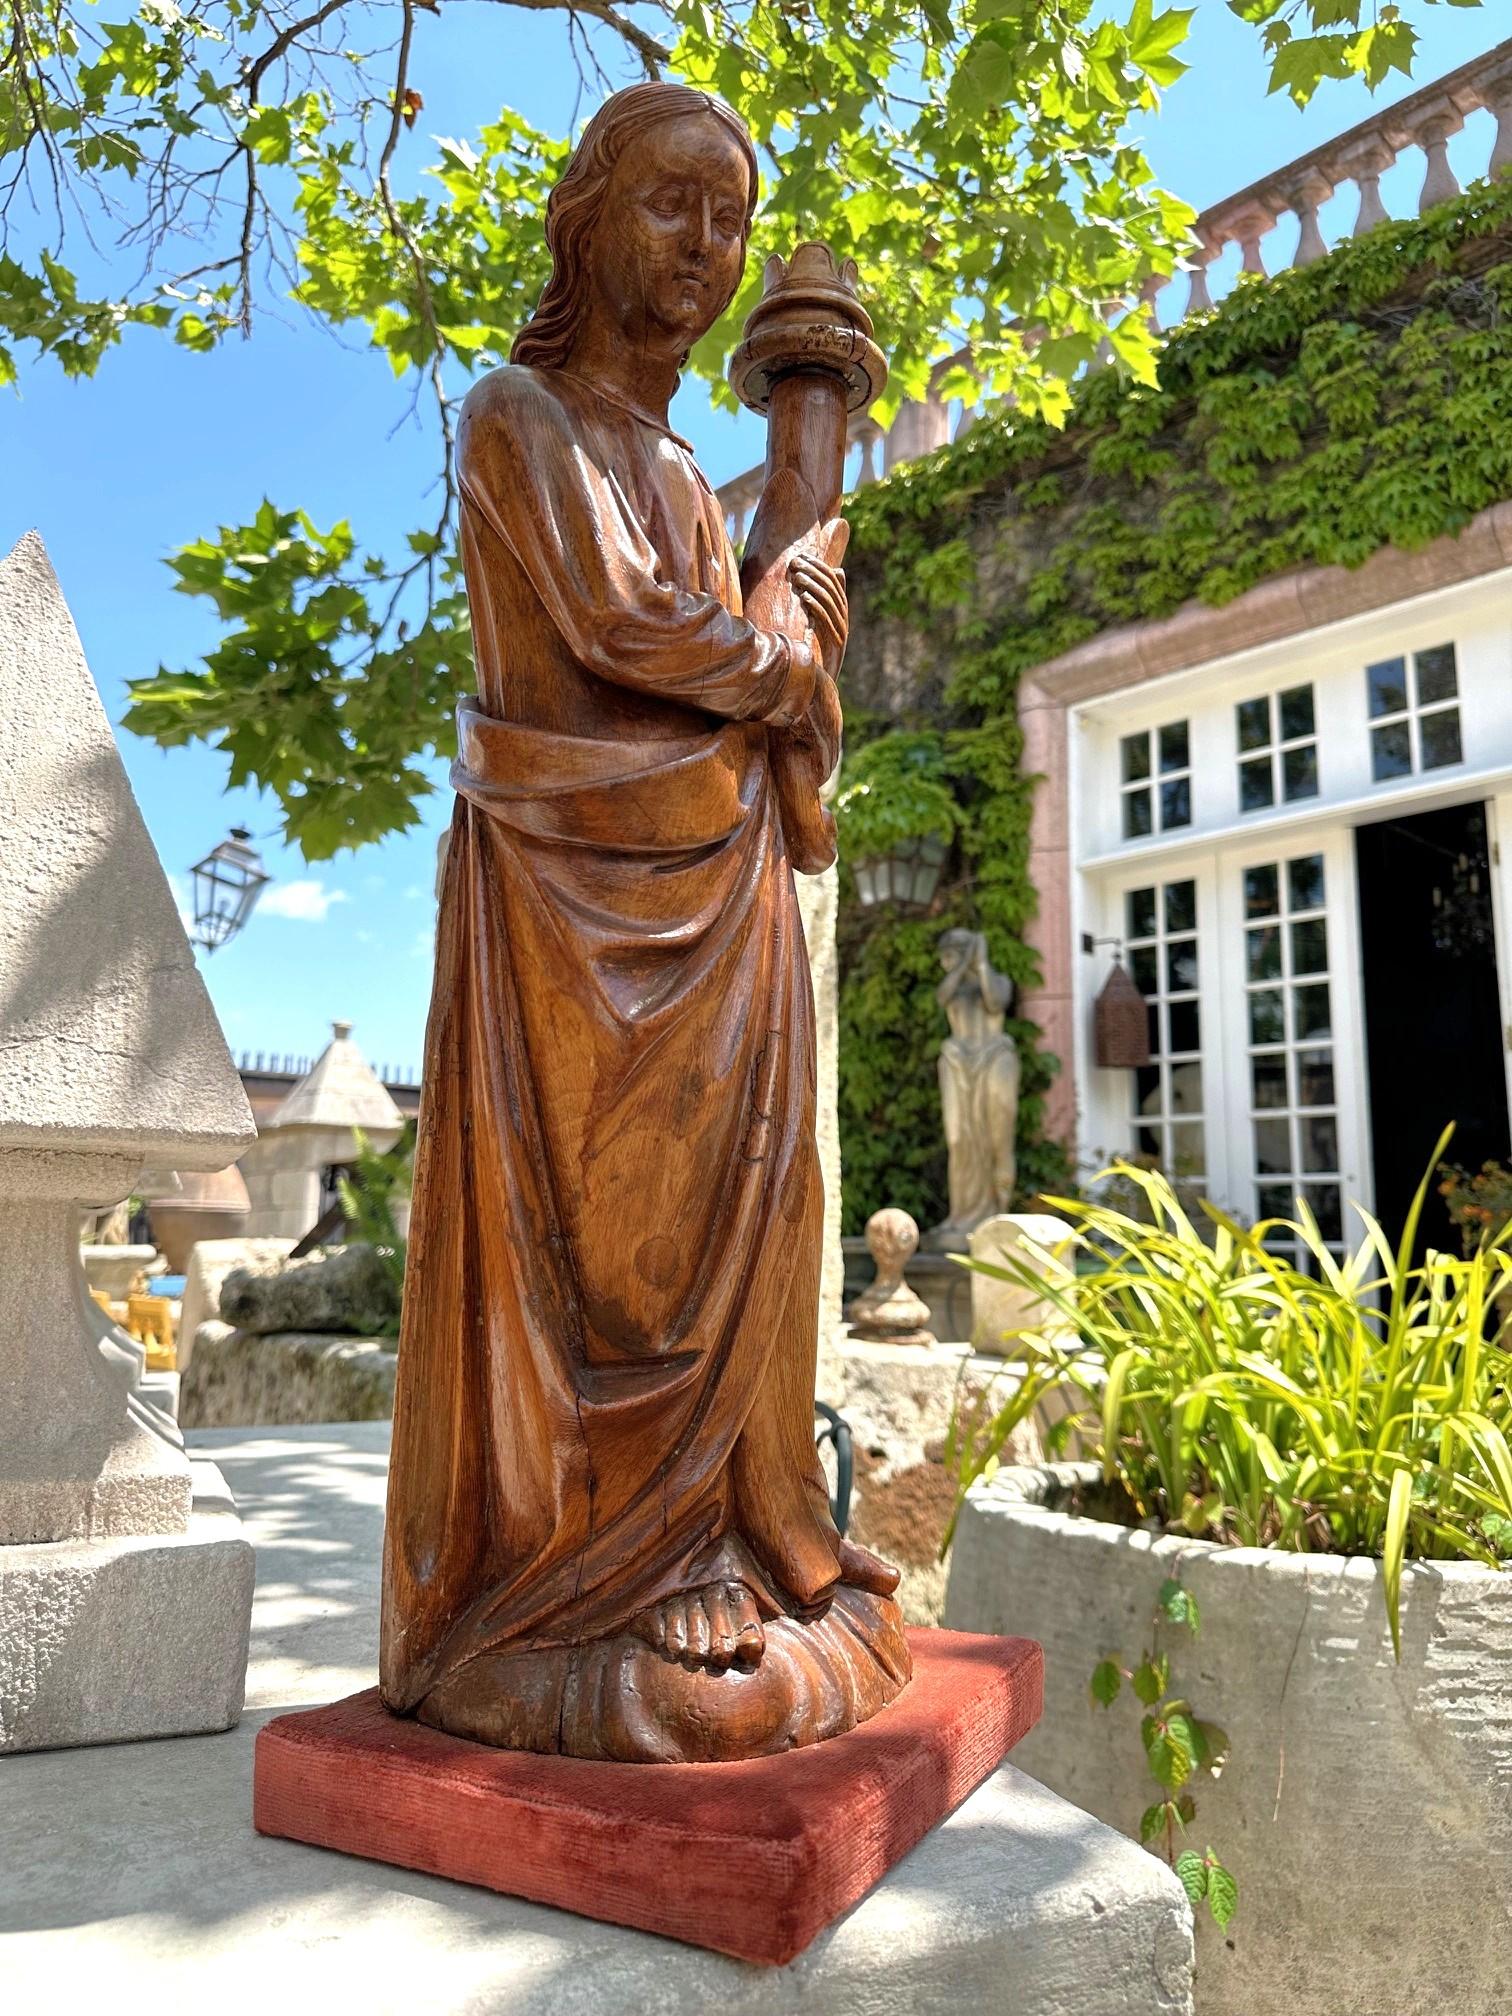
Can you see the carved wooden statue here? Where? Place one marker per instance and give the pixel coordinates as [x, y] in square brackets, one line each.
[979, 1087]
[608, 1531]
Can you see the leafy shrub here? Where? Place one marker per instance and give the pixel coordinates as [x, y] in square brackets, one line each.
[1354, 1407]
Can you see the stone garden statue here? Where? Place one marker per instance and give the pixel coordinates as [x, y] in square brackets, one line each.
[979, 1087]
[608, 1530]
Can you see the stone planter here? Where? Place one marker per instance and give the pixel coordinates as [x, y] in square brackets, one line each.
[1367, 1806]
[213, 1206]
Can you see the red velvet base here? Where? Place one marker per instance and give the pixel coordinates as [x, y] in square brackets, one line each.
[751, 1859]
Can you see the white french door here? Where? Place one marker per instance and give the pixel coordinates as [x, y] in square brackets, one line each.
[1294, 1101]
[1255, 1093]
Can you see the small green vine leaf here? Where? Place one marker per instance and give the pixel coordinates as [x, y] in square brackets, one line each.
[1193, 1874]
[1222, 1892]
[1152, 1679]
[1152, 1821]
[1107, 1678]
[1178, 1605]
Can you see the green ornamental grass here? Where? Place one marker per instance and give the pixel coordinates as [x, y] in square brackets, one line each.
[1354, 1407]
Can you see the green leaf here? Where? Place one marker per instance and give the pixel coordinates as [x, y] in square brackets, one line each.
[1178, 1604]
[1192, 1871]
[1107, 1678]
[1393, 1553]
[1170, 1748]
[1152, 1679]
[1154, 1820]
[1222, 1892]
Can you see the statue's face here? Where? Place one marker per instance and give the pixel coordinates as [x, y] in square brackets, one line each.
[667, 250]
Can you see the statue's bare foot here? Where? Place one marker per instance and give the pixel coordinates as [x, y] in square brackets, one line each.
[717, 1626]
[864, 1570]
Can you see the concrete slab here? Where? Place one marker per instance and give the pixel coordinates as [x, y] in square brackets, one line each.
[133, 1873]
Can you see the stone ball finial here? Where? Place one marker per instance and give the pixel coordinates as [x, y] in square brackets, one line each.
[889, 1312]
[892, 1239]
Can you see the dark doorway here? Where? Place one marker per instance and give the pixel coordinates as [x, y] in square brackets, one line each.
[1433, 1027]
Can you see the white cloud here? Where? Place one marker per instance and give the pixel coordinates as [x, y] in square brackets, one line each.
[309, 901]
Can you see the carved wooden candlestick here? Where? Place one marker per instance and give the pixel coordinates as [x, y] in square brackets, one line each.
[807, 362]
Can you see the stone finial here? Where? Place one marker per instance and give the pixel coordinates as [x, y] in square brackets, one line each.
[889, 1312]
[112, 1061]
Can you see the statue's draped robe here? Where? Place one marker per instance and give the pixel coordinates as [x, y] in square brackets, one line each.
[606, 1371]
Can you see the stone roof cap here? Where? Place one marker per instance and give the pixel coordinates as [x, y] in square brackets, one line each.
[341, 1089]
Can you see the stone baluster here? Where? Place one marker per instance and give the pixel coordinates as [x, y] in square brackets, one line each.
[1199, 300]
[1150, 292]
[1497, 96]
[1307, 195]
[1432, 135]
[1365, 164]
[1249, 226]
[867, 472]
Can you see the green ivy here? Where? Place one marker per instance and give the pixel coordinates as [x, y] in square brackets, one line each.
[1309, 420]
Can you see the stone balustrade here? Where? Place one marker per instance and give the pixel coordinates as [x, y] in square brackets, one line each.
[1426, 122]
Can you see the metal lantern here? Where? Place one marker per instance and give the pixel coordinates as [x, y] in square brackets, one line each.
[1121, 1022]
[907, 875]
[226, 884]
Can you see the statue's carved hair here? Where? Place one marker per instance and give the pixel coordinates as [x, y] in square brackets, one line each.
[575, 204]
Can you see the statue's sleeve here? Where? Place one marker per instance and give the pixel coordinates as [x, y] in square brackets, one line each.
[570, 526]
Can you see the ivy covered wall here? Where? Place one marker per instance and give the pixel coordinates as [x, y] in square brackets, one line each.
[1310, 419]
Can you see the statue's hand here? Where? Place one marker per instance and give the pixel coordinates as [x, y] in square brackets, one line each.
[820, 587]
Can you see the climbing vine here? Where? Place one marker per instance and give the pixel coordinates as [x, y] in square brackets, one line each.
[1309, 420]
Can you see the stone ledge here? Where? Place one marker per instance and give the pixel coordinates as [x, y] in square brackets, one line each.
[290, 1378]
[104, 1641]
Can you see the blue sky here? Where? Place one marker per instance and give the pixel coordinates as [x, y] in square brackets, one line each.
[117, 471]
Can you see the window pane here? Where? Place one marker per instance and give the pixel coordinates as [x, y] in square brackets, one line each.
[1181, 967]
[1267, 1022]
[1262, 891]
[1327, 1208]
[1186, 1090]
[1387, 687]
[1185, 1029]
[1320, 1142]
[1309, 946]
[1315, 1078]
[1268, 1080]
[1181, 906]
[1296, 713]
[1136, 814]
[1139, 913]
[1275, 1200]
[1147, 1143]
[1304, 882]
[1187, 1156]
[1253, 718]
[1144, 966]
[1257, 785]
[1390, 752]
[1174, 747]
[1152, 1029]
[1136, 757]
[1263, 949]
[1272, 1147]
[1147, 1089]
[1436, 677]
[1176, 804]
[1311, 1013]
[1299, 772]
[1440, 735]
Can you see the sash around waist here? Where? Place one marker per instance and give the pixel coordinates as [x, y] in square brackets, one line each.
[629, 795]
